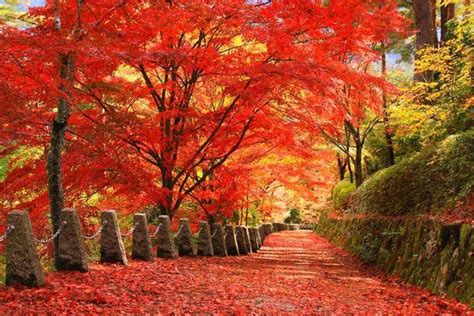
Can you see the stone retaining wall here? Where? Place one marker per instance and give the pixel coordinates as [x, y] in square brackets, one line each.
[427, 253]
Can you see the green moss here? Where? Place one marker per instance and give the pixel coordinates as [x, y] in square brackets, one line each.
[434, 179]
[3, 263]
[342, 192]
[464, 235]
[416, 250]
[3, 167]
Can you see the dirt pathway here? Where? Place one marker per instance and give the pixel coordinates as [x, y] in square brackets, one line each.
[294, 273]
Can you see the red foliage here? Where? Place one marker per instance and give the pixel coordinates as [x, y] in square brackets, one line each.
[295, 273]
[173, 97]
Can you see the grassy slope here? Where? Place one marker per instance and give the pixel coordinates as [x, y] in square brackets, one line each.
[341, 193]
[434, 179]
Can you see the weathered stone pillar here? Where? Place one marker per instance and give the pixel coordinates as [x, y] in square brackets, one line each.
[261, 231]
[276, 227]
[112, 249]
[166, 248]
[241, 236]
[23, 265]
[294, 227]
[231, 241]
[248, 243]
[72, 255]
[268, 228]
[218, 242]
[253, 239]
[141, 244]
[259, 238]
[204, 240]
[185, 239]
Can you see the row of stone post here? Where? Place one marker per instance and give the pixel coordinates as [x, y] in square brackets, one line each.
[23, 264]
[283, 226]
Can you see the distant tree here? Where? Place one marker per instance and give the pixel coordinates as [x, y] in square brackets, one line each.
[294, 216]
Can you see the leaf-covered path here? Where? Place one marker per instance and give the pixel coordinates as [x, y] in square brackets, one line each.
[296, 272]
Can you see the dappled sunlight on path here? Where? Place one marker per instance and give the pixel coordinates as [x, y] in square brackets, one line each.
[296, 272]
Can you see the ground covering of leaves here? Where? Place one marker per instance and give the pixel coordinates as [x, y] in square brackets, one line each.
[296, 272]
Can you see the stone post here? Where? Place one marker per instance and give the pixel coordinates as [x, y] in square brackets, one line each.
[231, 241]
[204, 240]
[112, 249]
[294, 227]
[141, 244]
[166, 247]
[268, 229]
[185, 239]
[23, 265]
[218, 242]
[248, 241]
[254, 238]
[259, 238]
[261, 231]
[241, 236]
[72, 255]
[276, 227]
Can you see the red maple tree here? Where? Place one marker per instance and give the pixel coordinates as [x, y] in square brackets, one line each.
[165, 93]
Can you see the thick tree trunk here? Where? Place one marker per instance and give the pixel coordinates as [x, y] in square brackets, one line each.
[359, 177]
[386, 121]
[447, 14]
[54, 161]
[426, 30]
[164, 210]
[165, 206]
[211, 219]
[359, 145]
[425, 17]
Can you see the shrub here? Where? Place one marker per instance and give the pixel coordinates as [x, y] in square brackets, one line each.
[342, 192]
[294, 216]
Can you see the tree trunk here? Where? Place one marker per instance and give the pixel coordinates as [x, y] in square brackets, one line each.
[166, 206]
[342, 168]
[433, 17]
[359, 177]
[54, 161]
[447, 14]
[386, 121]
[247, 216]
[425, 17]
[349, 168]
[426, 30]
[211, 219]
